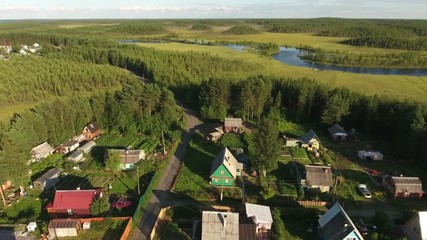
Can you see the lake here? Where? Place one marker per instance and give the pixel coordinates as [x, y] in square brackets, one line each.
[291, 56]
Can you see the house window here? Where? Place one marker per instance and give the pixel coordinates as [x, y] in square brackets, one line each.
[351, 238]
[226, 180]
[216, 179]
[222, 172]
[69, 211]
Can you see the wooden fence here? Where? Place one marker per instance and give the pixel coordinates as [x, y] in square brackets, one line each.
[312, 203]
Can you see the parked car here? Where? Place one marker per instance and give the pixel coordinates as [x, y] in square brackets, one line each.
[361, 227]
[364, 191]
[121, 203]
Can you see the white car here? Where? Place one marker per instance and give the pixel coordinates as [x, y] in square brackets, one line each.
[364, 191]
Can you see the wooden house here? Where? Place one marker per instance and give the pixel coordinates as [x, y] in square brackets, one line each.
[291, 141]
[336, 224]
[225, 168]
[47, 180]
[404, 187]
[71, 203]
[416, 227]
[318, 178]
[338, 133]
[91, 131]
[128, 157]
[234, 125]
[310, 141]
[42, 151]
[59, 228]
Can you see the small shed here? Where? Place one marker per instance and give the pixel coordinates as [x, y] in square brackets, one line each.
[76, 156]
[87, 147]
[68, 146]
[91, 131]
[337, 132]
[42, 151]
[404, 187]
[261, 215]
[233, 125]
[47, 180]
[291, 141]
[128, 157]
[64, 228]
[370, 155]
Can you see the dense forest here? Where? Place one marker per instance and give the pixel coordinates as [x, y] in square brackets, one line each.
[137, 109]
[240, 30]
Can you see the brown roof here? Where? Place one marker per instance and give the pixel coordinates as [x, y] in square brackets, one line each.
[408, 184]
[318, 175]
[63, 223]
[129, 156]
[93, 127]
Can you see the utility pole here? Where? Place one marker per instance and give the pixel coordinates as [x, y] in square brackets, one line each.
[163, 142]
[2, 195]
[137, 173]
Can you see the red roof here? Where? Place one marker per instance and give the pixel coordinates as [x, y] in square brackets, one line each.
[73, 199]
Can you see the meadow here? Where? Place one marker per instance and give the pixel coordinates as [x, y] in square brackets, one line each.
[400, 87]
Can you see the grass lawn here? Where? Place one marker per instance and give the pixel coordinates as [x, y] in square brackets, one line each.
[400, 87]
[106, 230]
[179, 223]
[193, 179]
[298, 220]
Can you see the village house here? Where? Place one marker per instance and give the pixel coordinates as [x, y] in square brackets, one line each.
[370, 155]
[59, 228]
[310, 141]
[91, 131]
[291, 141]
[416, 227]
[71, 203]
[234, 125]
[220, 225]
[128, 157]
[87, 147]
[335, 224]
[318, 178]
[41, 151]
[338, 133]
[404, 187]
[79, 138]
[76, 156]
[261, 216]
[225, 168]
[68, 146]
[48, 179]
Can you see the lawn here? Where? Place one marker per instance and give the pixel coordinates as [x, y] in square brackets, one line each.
[401, 87]
[106, 230]
[179, 223]
[193, 179]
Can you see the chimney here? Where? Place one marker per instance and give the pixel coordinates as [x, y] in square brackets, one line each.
[225, 220]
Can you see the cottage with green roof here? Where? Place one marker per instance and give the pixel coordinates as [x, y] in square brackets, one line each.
[225, 169]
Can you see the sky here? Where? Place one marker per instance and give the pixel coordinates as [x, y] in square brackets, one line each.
[88, 9]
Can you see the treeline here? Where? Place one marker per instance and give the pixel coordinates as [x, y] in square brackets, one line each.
[200, 27]
[139, 28]
[401, 124]
[381, 41]
[405, 59]
[137, 109]
[240, 30]
[32, 78]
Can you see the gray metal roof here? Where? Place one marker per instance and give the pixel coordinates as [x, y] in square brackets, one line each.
[233, 122]
[309, 136]
[48, 175]
[227, 158]
[43, 149]
[87, 146]
[220, 225]
[76, 154]
[129, 156]
[337, 129]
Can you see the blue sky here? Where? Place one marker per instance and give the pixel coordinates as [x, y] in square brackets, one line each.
[77, 9]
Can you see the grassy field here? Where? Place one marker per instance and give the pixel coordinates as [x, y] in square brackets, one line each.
[401, 87]
[287, 39]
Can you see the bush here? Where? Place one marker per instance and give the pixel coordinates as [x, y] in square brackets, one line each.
[231, 140]
[279, 230]
[100, 206]
[287, 189]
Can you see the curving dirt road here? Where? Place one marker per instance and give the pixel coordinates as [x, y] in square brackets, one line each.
[157, 201]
